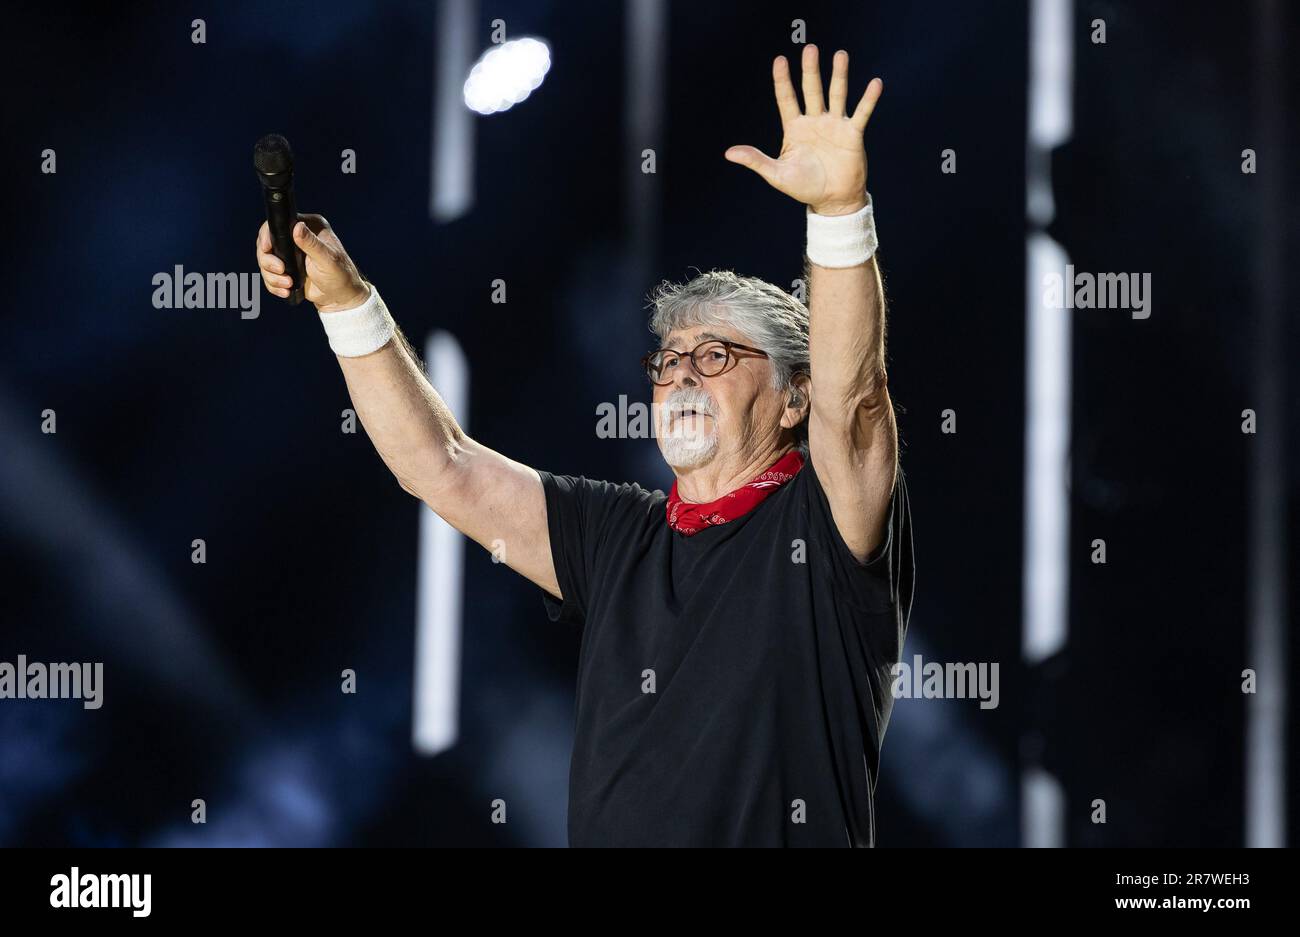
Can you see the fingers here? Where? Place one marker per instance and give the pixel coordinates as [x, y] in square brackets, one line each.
[839, 83]
[317, 223]
[786, 101]
[867, 105]
[812, 83]
[754, 159]
[308, 242]
[320, 255]
[277, 282]
[273, 275]
[268, 262]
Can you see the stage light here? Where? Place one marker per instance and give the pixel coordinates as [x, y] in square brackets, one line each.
[1048, 342]
[435, 723]
[507, 74]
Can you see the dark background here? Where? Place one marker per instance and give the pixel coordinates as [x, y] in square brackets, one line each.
[222, 679]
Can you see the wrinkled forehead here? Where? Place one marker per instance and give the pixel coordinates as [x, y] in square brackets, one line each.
[688, 338]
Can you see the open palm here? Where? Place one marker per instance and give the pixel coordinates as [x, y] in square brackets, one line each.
[822, 162]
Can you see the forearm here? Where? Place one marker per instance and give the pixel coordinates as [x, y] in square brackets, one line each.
[410, 425]
[846, 334]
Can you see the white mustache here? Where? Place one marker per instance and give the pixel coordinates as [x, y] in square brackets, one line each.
[686, 399]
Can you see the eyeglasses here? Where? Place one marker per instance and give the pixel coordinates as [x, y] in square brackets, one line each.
[709, 358]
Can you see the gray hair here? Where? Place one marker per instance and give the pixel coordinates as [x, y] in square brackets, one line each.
[768, 317]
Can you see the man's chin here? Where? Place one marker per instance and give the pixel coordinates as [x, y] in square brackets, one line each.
[688, 456]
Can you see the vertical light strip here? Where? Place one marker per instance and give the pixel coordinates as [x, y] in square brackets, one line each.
[1266, 709]
[435, 720]
[1042, 805]
[1046, 579]
[1045, 573]
[645, 42]
[451, 169]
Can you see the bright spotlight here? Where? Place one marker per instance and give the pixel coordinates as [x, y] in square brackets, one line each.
[506, 74]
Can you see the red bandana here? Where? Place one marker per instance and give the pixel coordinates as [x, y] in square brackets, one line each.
[690, 519]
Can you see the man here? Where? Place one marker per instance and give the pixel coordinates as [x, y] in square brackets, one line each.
[738, 634]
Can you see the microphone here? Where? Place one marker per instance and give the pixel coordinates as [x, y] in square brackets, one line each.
[273, 161]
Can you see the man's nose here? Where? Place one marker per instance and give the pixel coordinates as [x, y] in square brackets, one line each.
[685, 375]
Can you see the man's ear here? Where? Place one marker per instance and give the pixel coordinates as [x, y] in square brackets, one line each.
[798, 400]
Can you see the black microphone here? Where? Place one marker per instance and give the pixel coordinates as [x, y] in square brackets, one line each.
[273, 161]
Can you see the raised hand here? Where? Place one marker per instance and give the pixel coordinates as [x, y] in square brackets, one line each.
[332, 283]
[822, 162]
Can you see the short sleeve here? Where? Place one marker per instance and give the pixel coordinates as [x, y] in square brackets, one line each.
[581, 515]
[886, 580]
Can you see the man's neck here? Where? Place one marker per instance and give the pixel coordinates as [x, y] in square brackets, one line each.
[716, 478]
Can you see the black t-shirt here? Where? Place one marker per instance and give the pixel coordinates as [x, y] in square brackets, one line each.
[734, 685]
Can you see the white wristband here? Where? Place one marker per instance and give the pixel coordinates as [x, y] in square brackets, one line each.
[360, 330]
[842, 240]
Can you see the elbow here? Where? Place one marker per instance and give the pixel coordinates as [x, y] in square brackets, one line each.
[424, 473]
[847, 404]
